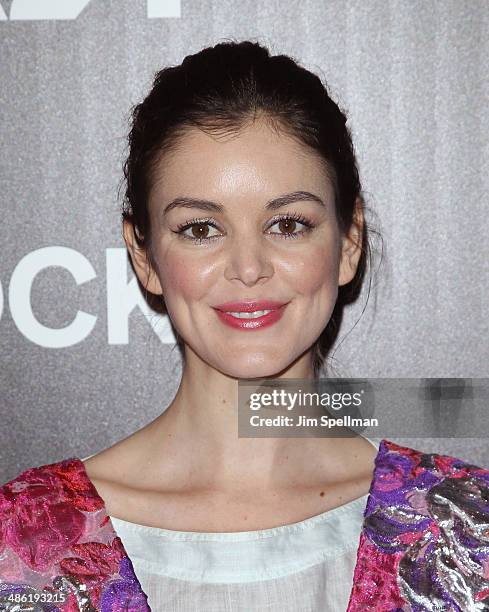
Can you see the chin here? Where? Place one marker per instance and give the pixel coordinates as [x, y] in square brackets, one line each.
[259, 368]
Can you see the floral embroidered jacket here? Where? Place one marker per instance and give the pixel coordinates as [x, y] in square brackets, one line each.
[424, 544]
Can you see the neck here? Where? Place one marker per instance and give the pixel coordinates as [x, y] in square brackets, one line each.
[199, 430]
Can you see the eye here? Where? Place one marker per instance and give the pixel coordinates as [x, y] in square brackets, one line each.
[199, 230]
[288, 223]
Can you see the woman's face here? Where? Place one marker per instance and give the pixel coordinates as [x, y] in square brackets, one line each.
[239, 249]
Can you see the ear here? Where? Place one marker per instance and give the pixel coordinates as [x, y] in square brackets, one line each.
[144, 270]
[351, 246]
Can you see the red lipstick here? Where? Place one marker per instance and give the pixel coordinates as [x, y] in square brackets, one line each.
[229, 313]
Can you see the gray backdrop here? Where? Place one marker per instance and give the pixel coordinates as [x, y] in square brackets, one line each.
[83, 362]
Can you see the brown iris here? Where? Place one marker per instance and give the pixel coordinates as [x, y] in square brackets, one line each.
[200, 230]
[286, 223]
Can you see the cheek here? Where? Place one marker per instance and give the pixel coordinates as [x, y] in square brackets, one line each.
[315, 270]
[184, 277]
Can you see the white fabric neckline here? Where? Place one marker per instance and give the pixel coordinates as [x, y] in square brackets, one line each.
[244, 536]
[248, 556]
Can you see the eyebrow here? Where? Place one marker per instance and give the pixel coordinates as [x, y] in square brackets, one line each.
[208, 205]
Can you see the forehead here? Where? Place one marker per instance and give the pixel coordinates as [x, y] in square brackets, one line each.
[256, 160]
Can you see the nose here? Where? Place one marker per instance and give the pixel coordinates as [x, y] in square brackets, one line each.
[248, 260]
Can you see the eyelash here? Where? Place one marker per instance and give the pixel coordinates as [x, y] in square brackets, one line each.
[292, 217]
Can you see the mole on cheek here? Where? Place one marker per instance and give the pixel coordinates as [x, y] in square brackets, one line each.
[322, 494]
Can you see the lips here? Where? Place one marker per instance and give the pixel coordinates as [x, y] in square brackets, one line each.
[250, 306]
[275, 311]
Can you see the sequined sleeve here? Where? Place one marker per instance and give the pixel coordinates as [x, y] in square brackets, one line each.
[424, 544]
[58, 549]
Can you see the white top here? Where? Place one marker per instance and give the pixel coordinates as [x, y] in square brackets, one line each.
[300, 567]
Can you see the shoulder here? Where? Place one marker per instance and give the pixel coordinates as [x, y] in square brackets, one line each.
[428, 485]
[44, 510]
[406, 467]
[63, 482]
[57, 541]
[425, 525]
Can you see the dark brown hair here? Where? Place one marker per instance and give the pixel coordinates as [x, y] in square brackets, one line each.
[219, 90]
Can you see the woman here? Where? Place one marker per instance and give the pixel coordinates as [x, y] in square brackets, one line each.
[243, 196]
